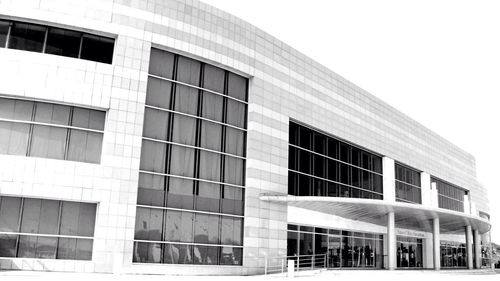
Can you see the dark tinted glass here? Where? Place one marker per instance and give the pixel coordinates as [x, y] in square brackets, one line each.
[235, 141]
[4, 30]
[96, 48]
[14, 140]
[52, 113]
[231, 231]
[8, 245]
[74, 249]
[40, 216]
[182, 161]
[179, 226]
[85, 146]
[10, 209]
[178, 254]
[236, 113]
[231, 256]
[233, 172]
[158, 93]
[237, 87]
[28, 37]
[16, 109]
[212, 106]
[161, 63]
[186, 99]
[153, 156]
[148, 224]
[191, 158]
[210, 165]
[155, 124]
[206, 229]
[87, 118]
[180, 193]
[49, 217]
[208, 197]
[232, 200]
[205, 255]
[188, 71]
[63, 42]
[151, 190]
[147, 252]
[77, 219]
[37, 247]
[213, 78]
[211, 135]
[321, 165]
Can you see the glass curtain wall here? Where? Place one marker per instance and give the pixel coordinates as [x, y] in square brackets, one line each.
[343, 249]
[450, 196]
[191, 181]
[55, 41]
[46, 229]
[49, 130]
[407, 185]
[409, 252]
[453, 254]
[320, 165]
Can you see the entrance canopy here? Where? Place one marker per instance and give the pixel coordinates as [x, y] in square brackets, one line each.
[411, 216]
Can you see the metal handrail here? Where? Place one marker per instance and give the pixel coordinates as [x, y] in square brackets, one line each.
[301, 262]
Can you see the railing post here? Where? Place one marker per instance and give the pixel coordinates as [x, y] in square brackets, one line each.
[265, 265]
[291, 268]
[283, 265]
[326, 262]
[312, 262]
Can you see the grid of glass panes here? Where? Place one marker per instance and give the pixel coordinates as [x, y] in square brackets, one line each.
[49, 130]
[342, 248]
[450, 197]
[46, 229]
[191, 180]
[453, 254]
[320, 165]
[55, 41]
[407, 185]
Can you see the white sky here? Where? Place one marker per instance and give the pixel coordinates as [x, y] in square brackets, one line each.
[437, 61]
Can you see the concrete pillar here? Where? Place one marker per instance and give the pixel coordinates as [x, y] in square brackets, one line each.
[391, 241]
[428, 253]
[434, 196]
[477, 248]
[467, 204]
[389, 178]
[437, 243]
[468, 238]
[425, 187]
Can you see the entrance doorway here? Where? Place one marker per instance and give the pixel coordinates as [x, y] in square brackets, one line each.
[409, 252]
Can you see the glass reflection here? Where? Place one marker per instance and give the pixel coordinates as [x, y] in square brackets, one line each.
[342, 249]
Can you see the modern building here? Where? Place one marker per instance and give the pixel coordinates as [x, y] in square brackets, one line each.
[168, 136]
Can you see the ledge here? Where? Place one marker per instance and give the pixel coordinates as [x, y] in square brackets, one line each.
[412, 216]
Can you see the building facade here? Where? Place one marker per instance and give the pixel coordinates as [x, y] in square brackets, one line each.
[168, 136]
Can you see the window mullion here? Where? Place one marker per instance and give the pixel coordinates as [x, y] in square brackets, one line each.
[20, 220]
[59, 228]
[80, 48]
[45, 40]
[30, 131]
[7, 39]
[68, 134]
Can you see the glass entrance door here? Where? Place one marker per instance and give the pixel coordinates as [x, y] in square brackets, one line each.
[409, 252]
[334, 251]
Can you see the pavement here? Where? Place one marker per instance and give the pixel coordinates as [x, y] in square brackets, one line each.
[330, 275]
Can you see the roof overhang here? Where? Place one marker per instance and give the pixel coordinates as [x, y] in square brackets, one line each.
[411, 216]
